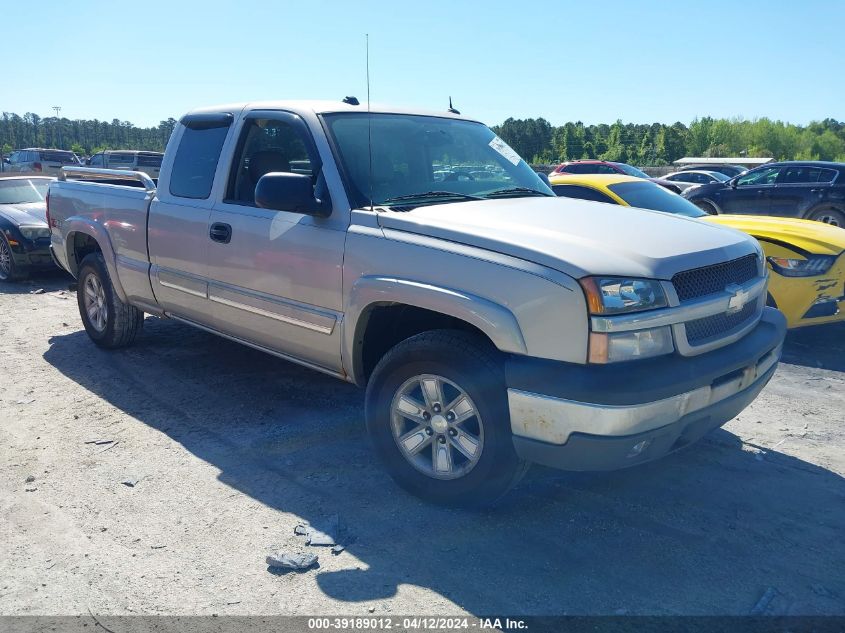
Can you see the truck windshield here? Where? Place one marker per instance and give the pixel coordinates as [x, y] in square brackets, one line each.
[23, 191]
[650, 195]
[421, 160]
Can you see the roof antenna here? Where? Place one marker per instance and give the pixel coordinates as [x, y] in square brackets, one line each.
[369, 124]
[451, 109]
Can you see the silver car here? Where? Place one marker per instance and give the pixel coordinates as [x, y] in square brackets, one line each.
[46, 162]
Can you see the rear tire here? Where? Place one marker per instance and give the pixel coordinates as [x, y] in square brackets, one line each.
[833, 217]
[457, 448]
[109, 322]
[9, 271]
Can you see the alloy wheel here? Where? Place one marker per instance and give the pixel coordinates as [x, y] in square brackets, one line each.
[437, 426]
[95, 302]
[5, 260]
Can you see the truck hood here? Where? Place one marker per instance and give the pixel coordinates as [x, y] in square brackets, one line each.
[814, 237]
[576, 237]
[32, 213]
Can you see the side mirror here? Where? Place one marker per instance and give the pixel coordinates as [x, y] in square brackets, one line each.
[732, 183]
[283, 191]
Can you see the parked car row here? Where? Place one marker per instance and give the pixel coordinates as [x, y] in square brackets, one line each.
[806, 259]
[48, 162]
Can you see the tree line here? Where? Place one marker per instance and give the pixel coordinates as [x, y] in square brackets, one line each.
[537, 140]
[83, 136]
[660, 144]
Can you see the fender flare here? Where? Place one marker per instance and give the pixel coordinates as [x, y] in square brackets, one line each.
[497, 322]
[74, 225]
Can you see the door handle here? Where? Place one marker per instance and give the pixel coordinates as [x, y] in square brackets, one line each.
[220, 232]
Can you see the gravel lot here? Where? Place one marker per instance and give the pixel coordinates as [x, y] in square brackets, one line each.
[232, 449]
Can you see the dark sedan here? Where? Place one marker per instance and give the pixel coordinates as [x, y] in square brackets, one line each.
[24, 234]
[814, 190]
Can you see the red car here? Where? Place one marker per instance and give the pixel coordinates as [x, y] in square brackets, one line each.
[592, 166]
[597, 167]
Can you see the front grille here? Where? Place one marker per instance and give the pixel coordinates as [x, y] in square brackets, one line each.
[702, 330]
[700, 282]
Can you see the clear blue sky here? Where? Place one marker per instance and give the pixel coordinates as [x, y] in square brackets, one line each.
[563, 60]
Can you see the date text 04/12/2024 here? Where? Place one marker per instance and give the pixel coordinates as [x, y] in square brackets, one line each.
[421, 623]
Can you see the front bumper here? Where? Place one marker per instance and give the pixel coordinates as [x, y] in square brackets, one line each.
[32, 255]
[811, 300]
[607, 417]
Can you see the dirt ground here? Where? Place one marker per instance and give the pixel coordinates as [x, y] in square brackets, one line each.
[232, 449]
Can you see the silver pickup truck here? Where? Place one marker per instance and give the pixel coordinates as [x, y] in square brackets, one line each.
[416, 254]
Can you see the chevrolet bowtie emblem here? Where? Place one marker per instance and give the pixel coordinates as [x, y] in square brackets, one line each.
[739, 297]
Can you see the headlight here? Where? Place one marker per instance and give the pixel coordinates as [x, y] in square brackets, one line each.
[617, 295]
[621, 346]
[35, 232]
[813, 265]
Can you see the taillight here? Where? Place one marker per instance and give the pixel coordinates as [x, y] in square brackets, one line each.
[36, 166]
[47, 201]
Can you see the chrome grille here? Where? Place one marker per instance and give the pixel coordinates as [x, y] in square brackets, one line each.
[701, 331]
[700, 282]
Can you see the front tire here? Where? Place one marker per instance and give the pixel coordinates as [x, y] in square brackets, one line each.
[109, 322]
[436, 410]
[707, 207]
[9, 270]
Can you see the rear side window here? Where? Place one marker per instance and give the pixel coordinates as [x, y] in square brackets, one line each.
[149, 160]
[66, 158]
[581, 193]
[807, 175]
[121, 161]
[196, 161]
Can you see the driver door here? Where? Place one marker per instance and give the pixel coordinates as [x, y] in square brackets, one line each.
[752, 194]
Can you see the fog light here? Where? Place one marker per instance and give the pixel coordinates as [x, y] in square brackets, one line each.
[638, 448]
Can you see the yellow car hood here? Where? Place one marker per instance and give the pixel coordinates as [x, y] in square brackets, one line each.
[815, 237]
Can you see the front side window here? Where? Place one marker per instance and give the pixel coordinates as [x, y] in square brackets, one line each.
[649, 195]
[419, 157]
[96, 160]
[765, 176]
[196, 161]
[266, 145]
[581, 193]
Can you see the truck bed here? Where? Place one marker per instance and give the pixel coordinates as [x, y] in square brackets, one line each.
[110, 206]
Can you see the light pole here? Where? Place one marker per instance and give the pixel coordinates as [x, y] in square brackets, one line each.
[58, 124]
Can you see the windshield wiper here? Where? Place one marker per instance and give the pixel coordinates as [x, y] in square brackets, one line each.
[432, 195]
[516, 191]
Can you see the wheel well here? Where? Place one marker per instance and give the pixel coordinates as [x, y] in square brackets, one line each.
[82, 245]
[824, 206]
[383, 326]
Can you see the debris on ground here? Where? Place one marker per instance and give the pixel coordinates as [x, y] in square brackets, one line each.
[30, 479]
[25, 401]
[291, 561]
[130, 482]
[764, 602]
[40, 291]
[99, 442]
[300, 530]
[325, 534]
[337, 549]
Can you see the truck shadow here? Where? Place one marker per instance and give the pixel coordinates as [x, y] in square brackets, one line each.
[49, 281]
[819, 346]
[704, 531]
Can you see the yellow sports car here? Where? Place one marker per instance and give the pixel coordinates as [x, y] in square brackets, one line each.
[806, 258]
